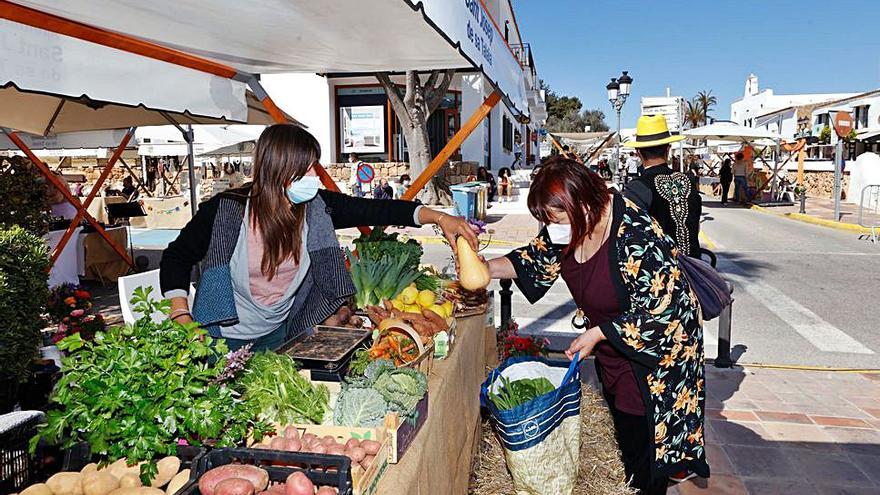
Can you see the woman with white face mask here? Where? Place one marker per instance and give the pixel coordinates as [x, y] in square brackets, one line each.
[637, 315]
[271, 264]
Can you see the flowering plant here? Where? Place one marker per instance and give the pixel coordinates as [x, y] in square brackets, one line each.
[514, 345]
[66, 298]
[71, 307]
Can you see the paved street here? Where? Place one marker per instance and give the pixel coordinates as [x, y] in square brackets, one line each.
[805, 294]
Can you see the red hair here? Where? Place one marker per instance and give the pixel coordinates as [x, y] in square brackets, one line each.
[567, 185]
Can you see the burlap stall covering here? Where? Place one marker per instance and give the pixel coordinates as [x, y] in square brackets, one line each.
[102, 263]
[439, 459]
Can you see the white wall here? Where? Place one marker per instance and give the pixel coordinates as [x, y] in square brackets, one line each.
[305, 97]
[471, 99]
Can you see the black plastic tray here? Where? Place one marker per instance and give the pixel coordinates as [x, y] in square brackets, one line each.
[322, 469]
[326, 370]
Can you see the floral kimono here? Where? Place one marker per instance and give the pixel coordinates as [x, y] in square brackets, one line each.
[660, 329]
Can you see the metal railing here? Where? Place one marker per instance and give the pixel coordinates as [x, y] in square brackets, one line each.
[873, 202]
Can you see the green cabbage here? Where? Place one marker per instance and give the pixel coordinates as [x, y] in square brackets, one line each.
[359, 407]
[403, 388]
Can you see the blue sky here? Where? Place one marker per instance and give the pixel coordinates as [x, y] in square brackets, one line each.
[794, 46]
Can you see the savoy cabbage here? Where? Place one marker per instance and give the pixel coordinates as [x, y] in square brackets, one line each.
[360, 407]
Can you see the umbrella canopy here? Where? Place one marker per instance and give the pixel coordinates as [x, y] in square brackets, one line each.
[274, 36]
[242, 148]
[45, 114]
[729, 131]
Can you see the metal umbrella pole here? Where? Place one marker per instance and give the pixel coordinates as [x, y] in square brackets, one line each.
[189, 137]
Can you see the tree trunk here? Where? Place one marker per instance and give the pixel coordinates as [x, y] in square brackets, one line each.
[413, 107]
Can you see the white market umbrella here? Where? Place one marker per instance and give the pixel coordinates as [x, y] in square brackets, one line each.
[729, 131]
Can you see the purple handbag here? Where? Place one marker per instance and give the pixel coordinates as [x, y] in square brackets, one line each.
[711, 289]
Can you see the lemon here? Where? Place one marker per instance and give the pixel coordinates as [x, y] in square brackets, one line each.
[409, 295]
[398, 305]
[440, 310]
[412, 308]
[449, 307]
[426, 298]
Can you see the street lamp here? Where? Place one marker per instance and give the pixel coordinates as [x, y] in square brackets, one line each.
[618, 89]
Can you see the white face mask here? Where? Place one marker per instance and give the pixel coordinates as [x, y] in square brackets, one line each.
[559, 233]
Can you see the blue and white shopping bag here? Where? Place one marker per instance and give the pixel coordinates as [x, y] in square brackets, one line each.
[540, 438]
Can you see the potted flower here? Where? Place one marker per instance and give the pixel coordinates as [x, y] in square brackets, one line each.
[23, 295]
[513, 344]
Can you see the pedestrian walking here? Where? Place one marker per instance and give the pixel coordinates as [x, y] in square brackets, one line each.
[632, 167]
[672, 198]
[636, 311]
[740, 183]
[357, 188]
[517, 153]
[725, 175]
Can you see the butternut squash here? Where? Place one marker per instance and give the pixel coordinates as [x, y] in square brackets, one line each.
[473, 273]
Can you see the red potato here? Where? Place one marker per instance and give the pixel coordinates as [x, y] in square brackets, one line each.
[262, 446]
[279, 443]
[294, 445]
[319, 449]
[357, 454]
[336, 450]
[326, 490]
[299, 484]
[352, 443]
[278, 489]
[328, 440]
[234, 486]
[309, 438]
[258, 477]
[367, 461]
[291, 432]
[371, 447]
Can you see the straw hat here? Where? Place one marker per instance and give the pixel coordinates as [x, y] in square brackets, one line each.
[652, 130]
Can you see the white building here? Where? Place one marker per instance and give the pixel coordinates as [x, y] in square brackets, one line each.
[331, 105]
[756, 103]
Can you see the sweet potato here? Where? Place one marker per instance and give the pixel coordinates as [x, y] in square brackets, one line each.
[95, 483]
[65, 484]
[436, 319]
[177, 482]
[167, 469]
[234, 486]
[258, 477]
[37, 489]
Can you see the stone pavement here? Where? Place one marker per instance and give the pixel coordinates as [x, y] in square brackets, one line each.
[779, 432]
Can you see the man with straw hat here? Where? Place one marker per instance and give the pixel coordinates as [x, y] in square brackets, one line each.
[672, 198]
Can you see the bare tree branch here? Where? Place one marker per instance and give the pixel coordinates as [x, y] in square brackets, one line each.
[412, 86]
[395, 97]
[432, 80]
[436, 94]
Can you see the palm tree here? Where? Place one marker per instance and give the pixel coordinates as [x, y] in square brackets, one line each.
[706, 101]
[693, 114]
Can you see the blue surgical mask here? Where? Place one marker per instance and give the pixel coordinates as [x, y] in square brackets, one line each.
[303, 190]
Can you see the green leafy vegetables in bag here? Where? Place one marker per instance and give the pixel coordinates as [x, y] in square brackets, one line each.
[515, 393]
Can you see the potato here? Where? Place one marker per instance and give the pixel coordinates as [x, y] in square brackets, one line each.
[95, 483]
[357, 454]
[371, 447]
[258, 477]
[319, 449]
[336, 450]
[367, 461]
[130, 480]
[352, 443]
[279, 443]
[37, 489]
[168, 468]
[309, 438]
[118, 468]
[326, 490]
[138, 490]
[234, 486]
[177, 482]
[328, 440]
[65, 484]
[89, 468]
[299, 484]
[291, 432]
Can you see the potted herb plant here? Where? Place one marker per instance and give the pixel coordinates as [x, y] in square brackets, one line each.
[23, 295]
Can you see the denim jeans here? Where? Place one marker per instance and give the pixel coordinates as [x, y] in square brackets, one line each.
[740, 184]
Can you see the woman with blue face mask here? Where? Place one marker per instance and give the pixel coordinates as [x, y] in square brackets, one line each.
[636, 314]
[271, 263]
